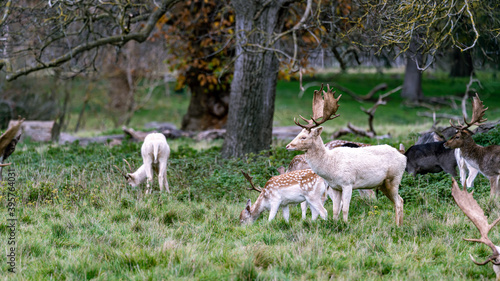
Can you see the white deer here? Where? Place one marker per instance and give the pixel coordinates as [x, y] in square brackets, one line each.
[155, 153]
[290, 188]
[299, 163]
[345, 169]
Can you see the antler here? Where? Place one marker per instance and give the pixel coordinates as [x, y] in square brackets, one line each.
[478, 111]
[249, 179]
[473, 211]
[324, 108]
[129, 167]
[121, 172]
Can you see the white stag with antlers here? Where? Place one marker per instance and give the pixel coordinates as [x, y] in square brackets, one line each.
[475, 213]
[299, 163]
[345, 169]
[485, 159]
[290, 188]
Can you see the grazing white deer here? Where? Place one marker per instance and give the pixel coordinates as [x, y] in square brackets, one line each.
[485, 159]
[475, 213]
[155, 153]
[345, 169]
[290, 188]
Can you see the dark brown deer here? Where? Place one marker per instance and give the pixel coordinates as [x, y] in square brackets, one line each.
[485, 159]
[473, 211]
[345, 169]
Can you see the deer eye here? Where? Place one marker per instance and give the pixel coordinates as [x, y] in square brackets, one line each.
[303, 138]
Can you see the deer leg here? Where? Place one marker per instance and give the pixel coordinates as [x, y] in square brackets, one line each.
[346, 201]
[149, 172]
[162, 176]
[273, 211]
[286, 213]
[336, 197]
[317, 208]
[494, 186]
[166, 181]
[462, 167]
[367, 193]
[391, 191]
[303, 206]
[472, 176]
[314, 213]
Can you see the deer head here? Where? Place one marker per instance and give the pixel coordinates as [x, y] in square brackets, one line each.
[246, 214]
[324, 107]
[463, 134]
[473, 211]
[129, 176]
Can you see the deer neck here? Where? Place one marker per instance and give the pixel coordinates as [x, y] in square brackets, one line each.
[257, 208]
[140, 174]
[316, 155]
[471, 151]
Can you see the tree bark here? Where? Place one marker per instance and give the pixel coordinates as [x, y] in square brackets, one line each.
[412, 85]
[208, 108]
[253, 89]
[462, 65]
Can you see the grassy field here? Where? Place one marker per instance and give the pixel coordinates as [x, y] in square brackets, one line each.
[77, 220]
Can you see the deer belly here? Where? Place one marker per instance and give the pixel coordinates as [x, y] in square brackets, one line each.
[292, 196]
[359, 180]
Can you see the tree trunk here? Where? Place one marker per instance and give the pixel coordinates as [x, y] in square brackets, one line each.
[412, 85]
[207, 108]
[462, 65]
[253, 89]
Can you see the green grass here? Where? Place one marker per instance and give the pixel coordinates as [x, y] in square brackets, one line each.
[77, 220]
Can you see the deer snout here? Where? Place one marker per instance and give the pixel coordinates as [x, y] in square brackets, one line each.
[446, 145]
[290, 146]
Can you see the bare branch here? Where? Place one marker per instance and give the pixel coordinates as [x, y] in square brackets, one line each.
[121, 39]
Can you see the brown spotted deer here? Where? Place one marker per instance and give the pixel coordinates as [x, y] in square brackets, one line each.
[345, 169]
[473, 211]
[299, 163]
[485, 159]
[282, 190]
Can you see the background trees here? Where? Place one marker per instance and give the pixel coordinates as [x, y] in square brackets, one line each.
[214, 44]
[428, 31]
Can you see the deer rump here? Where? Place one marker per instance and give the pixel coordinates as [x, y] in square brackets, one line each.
[431, 158]
[364, 167]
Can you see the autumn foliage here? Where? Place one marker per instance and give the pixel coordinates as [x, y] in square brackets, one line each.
[199, 36]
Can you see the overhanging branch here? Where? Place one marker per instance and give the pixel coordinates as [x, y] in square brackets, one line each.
[139, 36]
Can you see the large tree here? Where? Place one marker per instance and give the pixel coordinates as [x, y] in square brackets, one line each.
[259, 28]
[199, 37]
[70, 34]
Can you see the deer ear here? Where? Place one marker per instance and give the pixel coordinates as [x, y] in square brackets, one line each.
[281, 170]
[317, 131]
[402, 148]
[249, 204]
